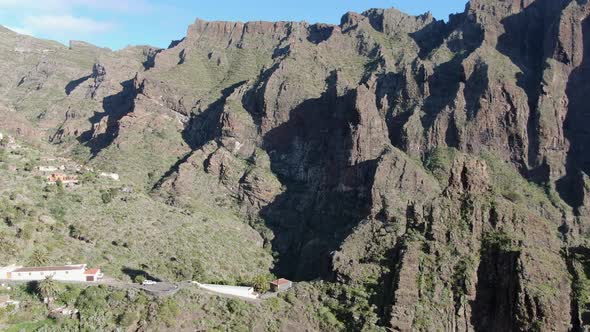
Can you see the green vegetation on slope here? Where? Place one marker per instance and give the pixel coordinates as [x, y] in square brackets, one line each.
[119, 228]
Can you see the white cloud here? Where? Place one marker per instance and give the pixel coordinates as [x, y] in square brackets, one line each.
[65, 25]
[130, 6]
[65, 20]
[36, 5]
[54, 6]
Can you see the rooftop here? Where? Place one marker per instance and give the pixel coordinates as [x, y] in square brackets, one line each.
[281, 281]
[92, 271]
[50, 268]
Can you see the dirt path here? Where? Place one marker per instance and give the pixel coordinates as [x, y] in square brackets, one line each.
[161, 289]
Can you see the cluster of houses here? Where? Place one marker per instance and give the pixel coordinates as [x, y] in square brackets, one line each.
[57, 169]
[67, 273]
[67, 180]
[65, 165]
[59, 173]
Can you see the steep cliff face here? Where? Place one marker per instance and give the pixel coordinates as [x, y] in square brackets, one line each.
[442, 166]
[491, 82]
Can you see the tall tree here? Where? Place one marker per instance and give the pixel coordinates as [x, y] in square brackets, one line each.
[48, 289]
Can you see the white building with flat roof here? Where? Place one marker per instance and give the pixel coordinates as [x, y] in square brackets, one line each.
[112, 176]
[78, 273]
[243, 292]
[47, 169]
[5, 270]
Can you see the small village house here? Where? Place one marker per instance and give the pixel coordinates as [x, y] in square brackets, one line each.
[72, 168]
[65, 179]
[5, 270]
[112, 176]
[47, 169]
[280, 285]
[64, 312]
[78, 273]
[5, 301]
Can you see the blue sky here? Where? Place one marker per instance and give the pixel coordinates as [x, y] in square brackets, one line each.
[118, 23]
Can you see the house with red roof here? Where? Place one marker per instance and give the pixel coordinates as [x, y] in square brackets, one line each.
[64, 179]
[280, 285]
[77, 273]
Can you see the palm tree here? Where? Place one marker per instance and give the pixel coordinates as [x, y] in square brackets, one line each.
[39, 258]
[261, 283]
[48, 289]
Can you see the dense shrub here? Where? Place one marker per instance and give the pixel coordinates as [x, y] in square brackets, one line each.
[168, 311]
[139, 279]
[95, 313]
[261, 283]
[107, 196]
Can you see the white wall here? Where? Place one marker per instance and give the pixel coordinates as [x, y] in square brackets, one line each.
[4, 271]
[112, 176]
[72, 275]
[246, 292]
[47, 168]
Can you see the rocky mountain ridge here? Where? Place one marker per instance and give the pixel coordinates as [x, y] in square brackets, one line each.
[442, 165]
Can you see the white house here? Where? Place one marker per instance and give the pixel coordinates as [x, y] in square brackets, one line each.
[5, 270]
[78, 273]
[244, 292]
[47, 168]
[280, 285]
[112, 176]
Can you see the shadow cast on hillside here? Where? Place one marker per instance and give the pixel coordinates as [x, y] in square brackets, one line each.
[577, 128]
[325, 196]
[134, 273]
[106, 124]
[495, 304]
[70, 87]
[524, 43]
[445, 82]
[202, 127]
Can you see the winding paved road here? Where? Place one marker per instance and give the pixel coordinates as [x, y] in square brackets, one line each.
[161, 289]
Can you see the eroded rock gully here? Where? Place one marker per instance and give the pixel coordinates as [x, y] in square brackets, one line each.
[337, 172]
